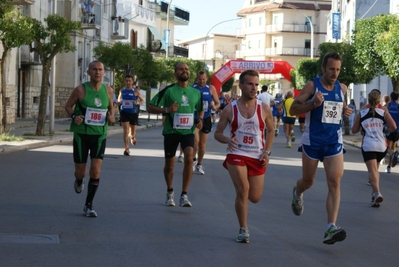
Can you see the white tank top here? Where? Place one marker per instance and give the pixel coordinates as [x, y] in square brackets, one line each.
[250, 133]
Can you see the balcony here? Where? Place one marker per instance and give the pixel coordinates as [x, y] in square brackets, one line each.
[120, 28]
[176, 14]
[22, 2]
[297, 28]
[180, 51]
[88, 14]
[290, 51]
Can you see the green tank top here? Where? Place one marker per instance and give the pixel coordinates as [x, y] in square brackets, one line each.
[94, 104]
[188, 99]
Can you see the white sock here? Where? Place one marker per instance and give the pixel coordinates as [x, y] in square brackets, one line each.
[330, 225]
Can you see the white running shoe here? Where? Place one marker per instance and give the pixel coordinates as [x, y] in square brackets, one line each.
[170, 199]
[199, 170]
[184, 202]
[89, 212]
[180, 158]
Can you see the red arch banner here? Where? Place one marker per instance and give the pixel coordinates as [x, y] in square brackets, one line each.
[238, 66]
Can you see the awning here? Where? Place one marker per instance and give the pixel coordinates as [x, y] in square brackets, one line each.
[157, 36]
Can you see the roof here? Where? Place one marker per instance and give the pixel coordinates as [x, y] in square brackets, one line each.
[284, 5]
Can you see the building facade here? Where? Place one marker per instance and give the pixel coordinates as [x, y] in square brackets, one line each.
[140, 22]
[350, 11]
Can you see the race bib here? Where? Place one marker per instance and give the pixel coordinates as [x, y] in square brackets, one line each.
[183, 121]
[332, 112]
[128, 104]
[205, 105]
[95, 116]
[248, 138]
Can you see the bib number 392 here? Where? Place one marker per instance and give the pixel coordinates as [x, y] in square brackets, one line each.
[332, 112]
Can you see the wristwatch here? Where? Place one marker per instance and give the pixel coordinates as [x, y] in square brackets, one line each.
[268, 152]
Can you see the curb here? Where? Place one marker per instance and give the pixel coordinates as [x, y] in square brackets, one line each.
[63, 138]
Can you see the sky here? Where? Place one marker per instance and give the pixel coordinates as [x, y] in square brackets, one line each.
[204, 14]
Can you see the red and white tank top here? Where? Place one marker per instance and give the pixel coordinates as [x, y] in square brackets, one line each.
[250, 132]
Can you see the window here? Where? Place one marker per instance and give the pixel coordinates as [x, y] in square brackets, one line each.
[250, 23]
[260, 21]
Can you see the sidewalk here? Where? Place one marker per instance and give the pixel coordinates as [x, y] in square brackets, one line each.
[26, 129]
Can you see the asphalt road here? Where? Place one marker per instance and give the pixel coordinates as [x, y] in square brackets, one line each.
[42, 222]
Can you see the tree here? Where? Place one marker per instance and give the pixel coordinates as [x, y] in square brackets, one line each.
[15, 30]
[303, 72]
[350, 68]
[368, 41]
[226, 87]
[51, 39]
[120, 57]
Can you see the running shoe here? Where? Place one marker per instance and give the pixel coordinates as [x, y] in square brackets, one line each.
[394, 159]
[184, 202]
[289, 144]
[199, 169]
[170, 199]
[180, 158]
[376, 199]
[133, 141]
[297, 204]
[388, 169]
[292, 137]
[89, 212]
[275, 132]
[334, 234]
[368, 183]
[78, 188]
[243, 235]
[126, 152]
[194, 164]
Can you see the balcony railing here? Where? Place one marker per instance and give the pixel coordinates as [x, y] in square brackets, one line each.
[289, 28]
[120, 29]
[88, 14]
[21, 2]
[177, 14]
[270, 52]
[289, 51]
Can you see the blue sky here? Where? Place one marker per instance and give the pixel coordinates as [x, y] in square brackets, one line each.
[204, 14]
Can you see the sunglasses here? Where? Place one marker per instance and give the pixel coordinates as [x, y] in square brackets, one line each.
[376, 90]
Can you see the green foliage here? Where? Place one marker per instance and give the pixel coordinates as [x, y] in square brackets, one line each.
[226, 87]
[305, 70]
[16, 29]
[193, 65]
[349, 66]
[10, 138]
[375, 49]
[51, 38]
[54, 37]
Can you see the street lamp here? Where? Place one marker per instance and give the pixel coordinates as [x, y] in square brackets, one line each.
[167, 30]
[206, 36]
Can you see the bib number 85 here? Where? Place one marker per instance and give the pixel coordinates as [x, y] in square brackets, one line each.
[248, 140]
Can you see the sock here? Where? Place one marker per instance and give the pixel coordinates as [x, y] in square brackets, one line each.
[296, 196]
[78, 181]
[330, 225]
[198, 164]
[170, 191]
[91, 190]
[183, 193]
[194, 159]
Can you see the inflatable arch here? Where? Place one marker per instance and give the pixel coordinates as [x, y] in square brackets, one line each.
[238, 66]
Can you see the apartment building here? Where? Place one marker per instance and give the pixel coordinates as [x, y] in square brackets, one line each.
[282, 30]
[139, 22]
[349, 12]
